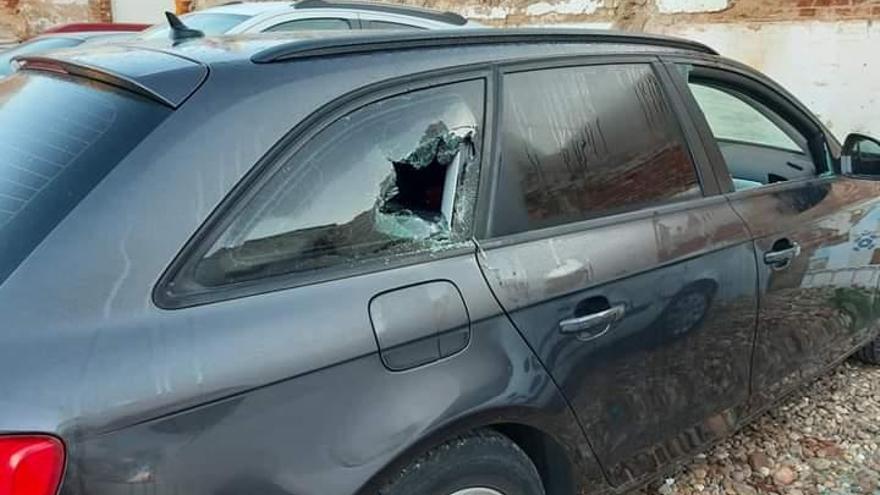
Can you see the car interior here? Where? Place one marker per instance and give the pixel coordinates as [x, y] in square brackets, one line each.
[758, 146]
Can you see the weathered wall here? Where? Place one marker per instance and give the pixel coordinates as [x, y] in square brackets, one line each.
[823, 50]
[23, 18]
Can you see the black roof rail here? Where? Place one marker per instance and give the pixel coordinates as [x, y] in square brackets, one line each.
[365, 43]
[390, 8]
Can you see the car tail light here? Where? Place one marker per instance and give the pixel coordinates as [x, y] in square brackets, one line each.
[30, 465]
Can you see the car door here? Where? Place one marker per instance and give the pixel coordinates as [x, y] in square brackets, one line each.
[815, 232]
[633, 284]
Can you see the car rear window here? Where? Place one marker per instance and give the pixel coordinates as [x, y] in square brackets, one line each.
[59, 137]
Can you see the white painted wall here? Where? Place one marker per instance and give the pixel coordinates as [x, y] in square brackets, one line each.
[144, 11]
[833, 67]
[680, 6]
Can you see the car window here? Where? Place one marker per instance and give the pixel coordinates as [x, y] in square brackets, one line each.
[387, 25]
[394, 177]
[328, 24]
[757, 145]
[49, 160]
[732, 118]
[210, 24]
[583, 142]
[39, 45]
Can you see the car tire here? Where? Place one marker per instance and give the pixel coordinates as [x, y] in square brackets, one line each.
[870, 354]
[480, 463]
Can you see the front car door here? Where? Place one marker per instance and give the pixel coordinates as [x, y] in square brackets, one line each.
[816, 233]
[634, 285]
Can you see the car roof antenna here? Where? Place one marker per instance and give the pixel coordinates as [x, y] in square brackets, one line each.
[180, 31]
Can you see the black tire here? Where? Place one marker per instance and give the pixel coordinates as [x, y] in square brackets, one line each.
[483, 459]
[870, 353]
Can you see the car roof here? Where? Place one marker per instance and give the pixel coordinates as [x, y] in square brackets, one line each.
[268, 9]
[276, 47]
[163, 69]
[247, 8]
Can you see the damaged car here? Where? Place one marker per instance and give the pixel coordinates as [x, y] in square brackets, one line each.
[481, 262]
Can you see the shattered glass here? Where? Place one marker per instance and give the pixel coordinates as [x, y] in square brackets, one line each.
[395, 177]
[410, 199]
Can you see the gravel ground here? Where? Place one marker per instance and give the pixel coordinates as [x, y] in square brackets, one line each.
[822, 441]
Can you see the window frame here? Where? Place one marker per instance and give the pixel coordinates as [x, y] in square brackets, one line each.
[166, 295]
[753, 87]
[690, 139]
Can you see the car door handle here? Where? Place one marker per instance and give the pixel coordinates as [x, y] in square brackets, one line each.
[593, 325]
[780, 258]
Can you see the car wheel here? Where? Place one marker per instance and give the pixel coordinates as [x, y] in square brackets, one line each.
[870, 353]
[480, 463]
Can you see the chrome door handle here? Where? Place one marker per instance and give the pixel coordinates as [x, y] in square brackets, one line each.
[594, 325]
[782, 257]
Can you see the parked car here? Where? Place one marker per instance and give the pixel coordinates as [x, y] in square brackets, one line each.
[86, 27]
[312, 15]
[47, 42]
[475, 262]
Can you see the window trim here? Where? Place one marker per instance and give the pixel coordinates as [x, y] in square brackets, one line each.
[164, 294]
[746, 82]
[691, 140]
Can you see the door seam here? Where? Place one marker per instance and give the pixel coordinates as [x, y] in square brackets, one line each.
[479, 254]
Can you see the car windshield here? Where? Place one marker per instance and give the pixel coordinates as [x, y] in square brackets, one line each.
[50, 160]
[210, 24]
[34, 46]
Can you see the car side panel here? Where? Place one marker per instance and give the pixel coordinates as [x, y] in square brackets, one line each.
[659, 384]
[333, 430]
[820, 308]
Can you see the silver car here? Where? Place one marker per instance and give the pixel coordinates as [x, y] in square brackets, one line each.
[312, 15]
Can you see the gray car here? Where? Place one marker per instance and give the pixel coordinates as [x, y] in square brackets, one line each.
[479, 262]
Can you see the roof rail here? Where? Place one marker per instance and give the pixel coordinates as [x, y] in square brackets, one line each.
[365, 43]
[391, 8]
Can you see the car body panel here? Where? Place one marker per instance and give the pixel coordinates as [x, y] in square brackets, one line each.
[824, 305]
[646, 391]
[171, 77]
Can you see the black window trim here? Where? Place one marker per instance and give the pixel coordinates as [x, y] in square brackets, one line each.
[756, 87]
[218, 220]
[691, 140]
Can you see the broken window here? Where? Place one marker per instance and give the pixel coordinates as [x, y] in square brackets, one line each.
[394, 177]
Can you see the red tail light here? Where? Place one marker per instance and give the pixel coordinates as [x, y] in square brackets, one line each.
[30, 465]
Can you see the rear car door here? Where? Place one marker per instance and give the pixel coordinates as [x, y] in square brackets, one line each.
[816, 233]
[633, 284]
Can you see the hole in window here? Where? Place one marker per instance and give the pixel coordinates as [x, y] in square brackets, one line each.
[395, 177]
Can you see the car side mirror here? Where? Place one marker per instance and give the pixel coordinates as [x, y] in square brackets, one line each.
[861, 156]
